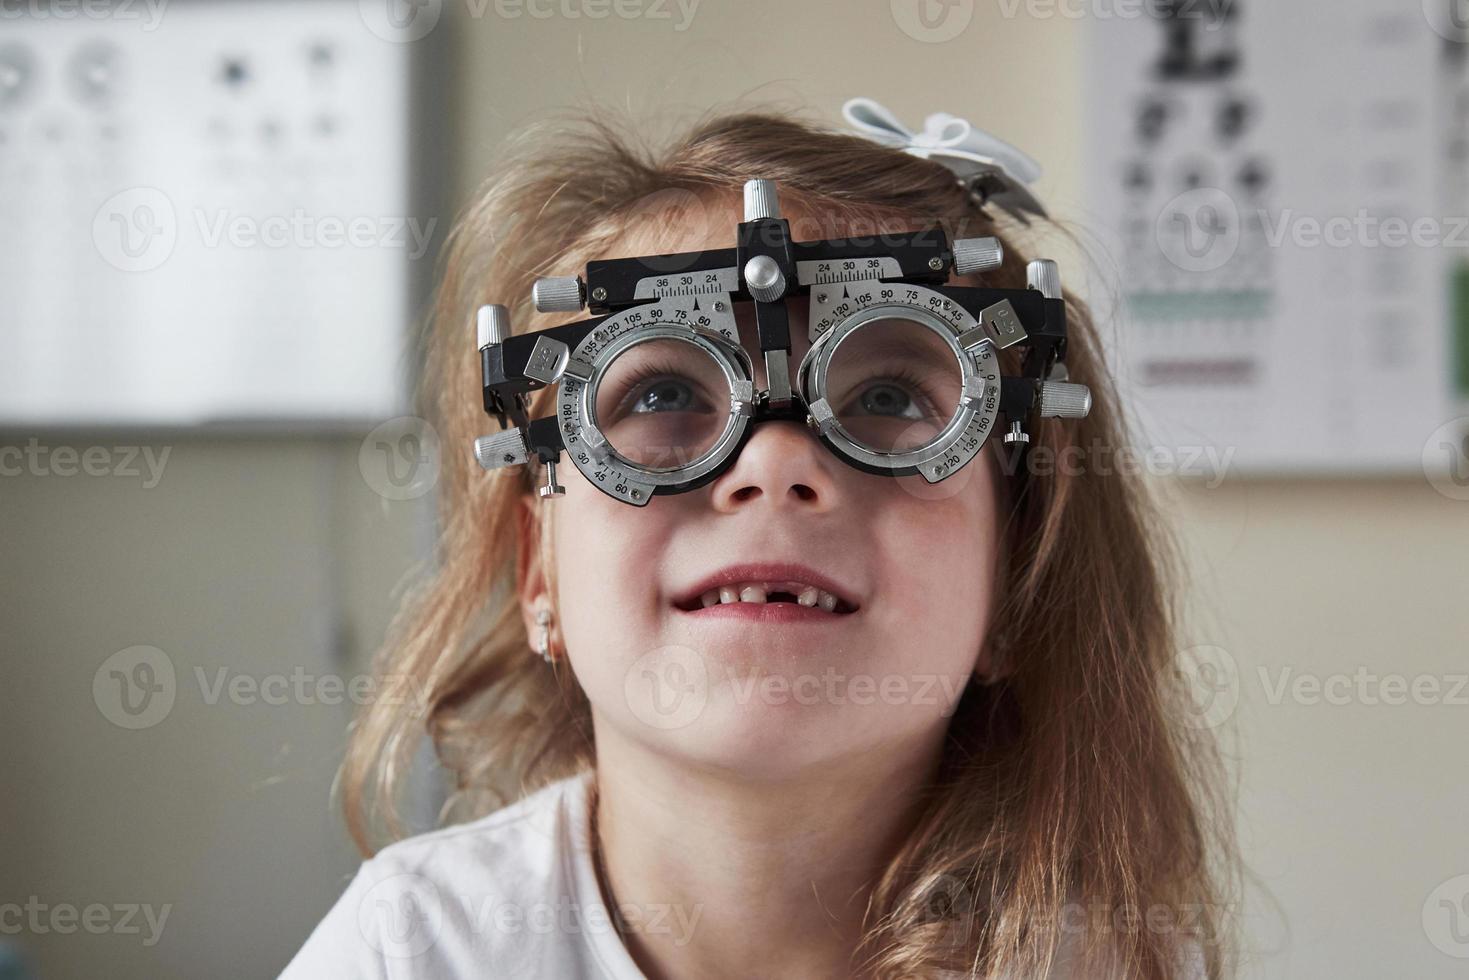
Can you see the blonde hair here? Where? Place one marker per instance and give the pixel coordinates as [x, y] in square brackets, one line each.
[1073, 775]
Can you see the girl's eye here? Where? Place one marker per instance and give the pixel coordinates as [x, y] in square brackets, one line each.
[664, 395]
[899, 397]
[891, 400]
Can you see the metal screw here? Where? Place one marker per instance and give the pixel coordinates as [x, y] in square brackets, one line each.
[636, 494]
[821, 297]
[935, 263]
[509, 458]
[719, 306]
[599, 294]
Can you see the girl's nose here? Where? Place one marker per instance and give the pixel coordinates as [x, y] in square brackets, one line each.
[782, 464]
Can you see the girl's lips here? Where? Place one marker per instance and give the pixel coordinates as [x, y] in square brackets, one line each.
[768, 612]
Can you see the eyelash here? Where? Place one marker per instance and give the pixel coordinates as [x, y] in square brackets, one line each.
[648, 372]
[913, 382]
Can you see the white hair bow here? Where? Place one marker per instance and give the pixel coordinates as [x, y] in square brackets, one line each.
[987, 165]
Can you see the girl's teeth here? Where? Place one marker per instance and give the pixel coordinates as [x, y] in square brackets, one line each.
[756, 592]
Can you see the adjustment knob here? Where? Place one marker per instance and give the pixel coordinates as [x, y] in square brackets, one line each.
[1045, 276]
[764, 280]
[977, 255]
[760, 199]
[552, 488]
[501, 449]
[492, 324]
[559, 294]
[1064, 400]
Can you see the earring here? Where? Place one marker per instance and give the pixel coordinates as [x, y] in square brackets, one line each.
[543, 638]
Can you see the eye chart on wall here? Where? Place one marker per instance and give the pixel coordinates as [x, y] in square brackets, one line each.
[1286, 231]
[204, 214]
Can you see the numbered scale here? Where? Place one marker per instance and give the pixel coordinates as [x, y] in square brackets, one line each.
[658, 393]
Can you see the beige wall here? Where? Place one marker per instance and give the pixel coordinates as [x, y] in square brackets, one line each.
[1351, 815]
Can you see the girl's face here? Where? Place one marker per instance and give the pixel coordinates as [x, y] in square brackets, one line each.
[772, 698]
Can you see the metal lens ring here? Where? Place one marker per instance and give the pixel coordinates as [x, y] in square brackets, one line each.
[888, 384]
[669, 395]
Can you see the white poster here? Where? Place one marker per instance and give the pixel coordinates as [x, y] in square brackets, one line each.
[203, 214]
[1281, 192]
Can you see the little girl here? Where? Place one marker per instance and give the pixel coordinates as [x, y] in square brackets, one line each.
[966, 756]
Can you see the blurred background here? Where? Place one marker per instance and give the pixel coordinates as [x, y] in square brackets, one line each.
[218, 225]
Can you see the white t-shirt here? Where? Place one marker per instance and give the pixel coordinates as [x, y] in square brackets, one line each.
[513, 894]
